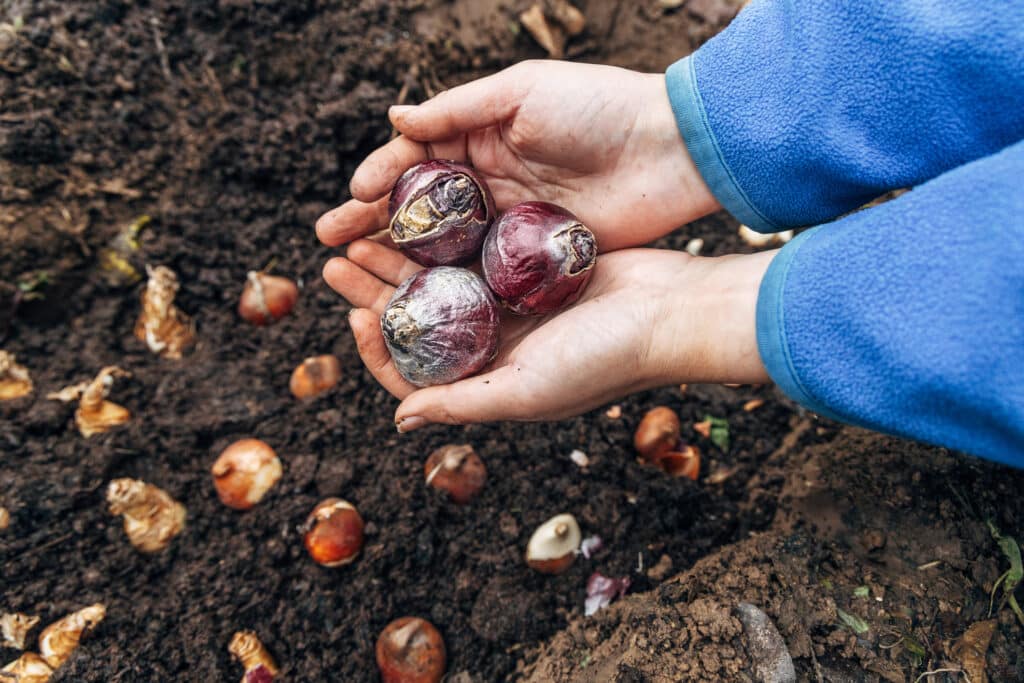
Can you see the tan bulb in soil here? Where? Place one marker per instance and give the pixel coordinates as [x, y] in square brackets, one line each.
[457, 469]
[95, 414]
[14, 379]
[14, 628]
[267, 298]
[314, 376]
[151, 517]
[333, 533]
[162, 325]
[59, 639]
[247, 648]
[28, 668]
[411, 650]
[244, 472]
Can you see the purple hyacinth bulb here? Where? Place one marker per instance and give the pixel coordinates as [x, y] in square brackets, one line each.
[441, 325]
[538, 258]
[440, 212]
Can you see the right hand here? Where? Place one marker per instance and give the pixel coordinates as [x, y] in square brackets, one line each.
[598, 140]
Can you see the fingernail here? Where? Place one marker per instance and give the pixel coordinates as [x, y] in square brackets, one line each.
[407, 424]
[400, 110]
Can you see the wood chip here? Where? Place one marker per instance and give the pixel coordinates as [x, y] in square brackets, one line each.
[753, 404]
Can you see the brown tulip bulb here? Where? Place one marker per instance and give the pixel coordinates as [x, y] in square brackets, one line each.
[684, 462]
[244, 472]
[657, 433]
[267, 298]
[314, 376]
[554, 545]
[410, 650]
[456, 469]
[334, 533]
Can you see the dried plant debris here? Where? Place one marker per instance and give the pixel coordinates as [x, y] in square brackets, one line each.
[115, 259]
[95, 414]
[161, 325]
[551, 23]
[14, 379]
[971, 648]
[151, 517]
[5, 518]
[259, 666]
[14, 628]
[59, 639]
[28, 668]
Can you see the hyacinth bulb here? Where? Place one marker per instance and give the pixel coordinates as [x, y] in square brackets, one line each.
[538, 258]
[440, 212]
[441, 325]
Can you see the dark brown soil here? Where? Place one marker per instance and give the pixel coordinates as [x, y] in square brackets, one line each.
[233, 124]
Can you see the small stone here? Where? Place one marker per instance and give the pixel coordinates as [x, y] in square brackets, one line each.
[771, 659]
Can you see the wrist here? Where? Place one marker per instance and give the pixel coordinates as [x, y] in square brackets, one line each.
[690, 196]
[710, 330]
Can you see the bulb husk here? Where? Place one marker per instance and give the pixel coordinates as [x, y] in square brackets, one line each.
[59, 639]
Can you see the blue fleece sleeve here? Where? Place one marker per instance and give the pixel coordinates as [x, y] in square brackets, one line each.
[908, 318]
[802, 111]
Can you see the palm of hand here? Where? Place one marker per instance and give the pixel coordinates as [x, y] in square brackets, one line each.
[545, 367]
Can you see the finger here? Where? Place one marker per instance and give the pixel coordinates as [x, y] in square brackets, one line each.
[377, 174]
[478, 104]
[388, 264]
[483, 398]
[359, 287]
[370, 343]
[352, 220]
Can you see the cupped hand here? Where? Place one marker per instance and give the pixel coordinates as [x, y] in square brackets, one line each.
[598, 140]
[647, 318]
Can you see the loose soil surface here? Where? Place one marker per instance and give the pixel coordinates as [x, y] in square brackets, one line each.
[233, 124]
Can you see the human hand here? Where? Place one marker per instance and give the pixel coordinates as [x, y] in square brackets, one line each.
[598, 140]
[648, 318]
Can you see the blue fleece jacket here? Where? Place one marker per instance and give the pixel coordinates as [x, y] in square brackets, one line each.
[907, 317]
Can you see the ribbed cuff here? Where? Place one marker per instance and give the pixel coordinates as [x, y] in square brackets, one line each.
[692, 119]
[771, 329]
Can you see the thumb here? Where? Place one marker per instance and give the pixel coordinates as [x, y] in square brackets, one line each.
[483, 398]
[477, 104]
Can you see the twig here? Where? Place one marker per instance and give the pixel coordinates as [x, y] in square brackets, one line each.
[161, 50]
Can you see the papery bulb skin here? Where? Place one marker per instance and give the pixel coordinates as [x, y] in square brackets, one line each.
[441, 325]
[440, 211]
[538, 258]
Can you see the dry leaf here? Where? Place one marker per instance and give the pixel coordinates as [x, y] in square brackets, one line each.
[970, 649]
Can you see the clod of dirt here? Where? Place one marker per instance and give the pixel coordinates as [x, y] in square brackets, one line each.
[771, 659]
